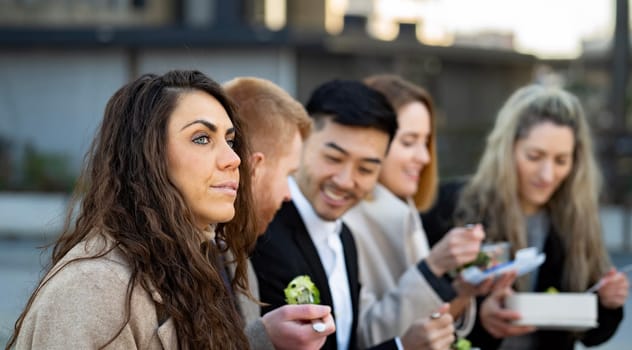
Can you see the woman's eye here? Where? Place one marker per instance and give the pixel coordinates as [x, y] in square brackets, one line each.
[561, 162]
[533, 157]
[408, 141]
[231, 143]
[201, 140]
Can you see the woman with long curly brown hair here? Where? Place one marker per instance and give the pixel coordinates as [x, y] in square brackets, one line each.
[139, 265]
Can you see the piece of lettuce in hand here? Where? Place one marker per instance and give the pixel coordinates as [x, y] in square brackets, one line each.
[301, 290]
[462, 344]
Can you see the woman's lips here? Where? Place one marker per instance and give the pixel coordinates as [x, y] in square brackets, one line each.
[228, 187]
[412, 175]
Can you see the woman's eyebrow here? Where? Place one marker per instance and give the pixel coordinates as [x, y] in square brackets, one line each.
[208, 124]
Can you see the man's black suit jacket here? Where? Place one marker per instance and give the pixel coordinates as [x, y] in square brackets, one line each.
[286, 251]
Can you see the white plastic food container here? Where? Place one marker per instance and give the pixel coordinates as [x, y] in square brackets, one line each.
[561, 311]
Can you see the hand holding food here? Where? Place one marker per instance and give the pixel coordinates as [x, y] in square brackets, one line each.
[290, 327]
[460, 246]
[498, 320]
[614, 289]
[301, 290]
[434, 332]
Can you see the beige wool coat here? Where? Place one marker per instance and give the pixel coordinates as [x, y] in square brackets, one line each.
[83, 306]
[391, 242]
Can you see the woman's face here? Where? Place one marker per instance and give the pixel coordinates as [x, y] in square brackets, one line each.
[543, 159]
[200, 160]
[408, 153]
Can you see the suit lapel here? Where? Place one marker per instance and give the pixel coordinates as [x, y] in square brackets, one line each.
[308, 252]
[351, 262]
[296, 227]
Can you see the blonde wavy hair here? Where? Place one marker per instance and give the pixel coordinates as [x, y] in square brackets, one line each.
[491, 196]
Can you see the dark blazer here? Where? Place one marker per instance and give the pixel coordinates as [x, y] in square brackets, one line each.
[286, 251]
[440, 219]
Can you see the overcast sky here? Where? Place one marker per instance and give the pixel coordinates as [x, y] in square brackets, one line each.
[547, 28]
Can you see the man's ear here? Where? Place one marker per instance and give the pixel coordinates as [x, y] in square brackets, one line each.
[257, 159]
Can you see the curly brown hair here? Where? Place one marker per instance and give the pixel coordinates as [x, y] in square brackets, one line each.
[125, 193]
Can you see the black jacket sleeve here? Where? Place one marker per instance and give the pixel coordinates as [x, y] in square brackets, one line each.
[609, 320]
[441, 285]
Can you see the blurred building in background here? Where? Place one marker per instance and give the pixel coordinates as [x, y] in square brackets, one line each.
[61, 60]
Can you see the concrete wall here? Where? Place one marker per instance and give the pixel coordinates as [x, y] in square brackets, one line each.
[54, 99]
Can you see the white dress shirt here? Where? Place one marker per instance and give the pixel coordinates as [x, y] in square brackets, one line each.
[326, 237]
